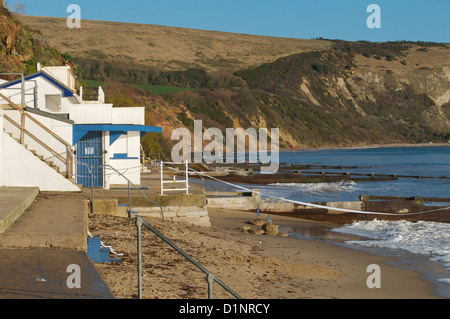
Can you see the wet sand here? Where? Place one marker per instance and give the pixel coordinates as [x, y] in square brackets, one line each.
[396, 282]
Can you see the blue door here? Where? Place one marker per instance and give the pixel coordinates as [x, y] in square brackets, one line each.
[90, 157]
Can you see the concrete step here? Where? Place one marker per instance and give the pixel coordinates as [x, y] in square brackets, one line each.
[56, 223]
[14, 201]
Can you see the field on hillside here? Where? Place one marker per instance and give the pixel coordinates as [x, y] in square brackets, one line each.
[319, 93]
[167, 48]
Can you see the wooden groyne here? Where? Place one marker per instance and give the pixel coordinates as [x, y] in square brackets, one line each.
[300, 173]
[301, 177]
[396, 208]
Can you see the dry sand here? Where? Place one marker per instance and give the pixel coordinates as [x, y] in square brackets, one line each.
[254, 266]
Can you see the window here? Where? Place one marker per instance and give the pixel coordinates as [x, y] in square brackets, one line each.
[53, 103]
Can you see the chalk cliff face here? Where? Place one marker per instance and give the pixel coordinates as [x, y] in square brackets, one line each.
[350, 94]
[358, 93]
[319, 93]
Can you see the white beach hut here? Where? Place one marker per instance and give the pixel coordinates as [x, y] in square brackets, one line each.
[88, 141]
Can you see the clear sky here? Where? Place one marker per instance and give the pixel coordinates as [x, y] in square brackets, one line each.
[412, 20]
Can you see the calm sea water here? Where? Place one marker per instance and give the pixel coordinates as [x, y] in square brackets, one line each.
[425, 161]
[423, 246]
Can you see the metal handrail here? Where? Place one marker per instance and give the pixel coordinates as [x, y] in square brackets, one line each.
[22, 85]
[68, 161]
[210, 278]
[129, 195]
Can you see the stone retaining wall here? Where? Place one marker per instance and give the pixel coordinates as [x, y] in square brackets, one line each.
[187, 208]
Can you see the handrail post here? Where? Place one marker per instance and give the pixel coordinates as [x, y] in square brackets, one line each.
[92, 188]
[210, 280]
[210, 277]
[139, 252]
[22, 127]
[129, 200]
[68, 162]
[162, 184]
[187, 178]
[22, 95]
[134, 186]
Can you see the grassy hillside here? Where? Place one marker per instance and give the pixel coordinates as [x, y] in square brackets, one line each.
[320, 93]
[166, 48]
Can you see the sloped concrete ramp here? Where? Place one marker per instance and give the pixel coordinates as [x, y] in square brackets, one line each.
[43, 253]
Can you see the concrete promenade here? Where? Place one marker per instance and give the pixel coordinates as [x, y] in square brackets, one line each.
[41, 241]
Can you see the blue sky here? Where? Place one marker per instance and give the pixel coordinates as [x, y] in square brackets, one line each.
[411, 20]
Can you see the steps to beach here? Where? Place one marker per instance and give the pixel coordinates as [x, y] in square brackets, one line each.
[97, 253]
[23, 167]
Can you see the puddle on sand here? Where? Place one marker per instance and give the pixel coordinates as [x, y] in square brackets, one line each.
[316, 232]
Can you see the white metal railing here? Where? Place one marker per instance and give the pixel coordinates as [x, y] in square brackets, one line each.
[185, 181]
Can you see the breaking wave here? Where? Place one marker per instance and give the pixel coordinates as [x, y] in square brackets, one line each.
[422, 237]
[310, 188]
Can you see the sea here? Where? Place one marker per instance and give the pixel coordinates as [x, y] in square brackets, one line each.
[423, 246]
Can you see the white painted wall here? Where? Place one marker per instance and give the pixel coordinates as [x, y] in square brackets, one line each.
[129, 167]
[62, 129]
[14, 93]
[129, 144]
[119, 146]
[128, 115]
[44, 87]
[134, 144]
[90, 113]
[21, 168]
[63, 74]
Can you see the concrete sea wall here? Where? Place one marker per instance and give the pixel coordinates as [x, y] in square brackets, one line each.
[186, 208]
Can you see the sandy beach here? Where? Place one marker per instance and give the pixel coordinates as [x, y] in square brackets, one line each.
[254, 266]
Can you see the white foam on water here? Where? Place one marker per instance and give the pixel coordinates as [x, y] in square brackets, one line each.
[422, 237]
[315, 188]
[444, 280]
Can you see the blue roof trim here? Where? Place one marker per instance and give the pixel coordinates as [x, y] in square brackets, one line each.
[79, 130]
[66, 91]
[78, 135]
